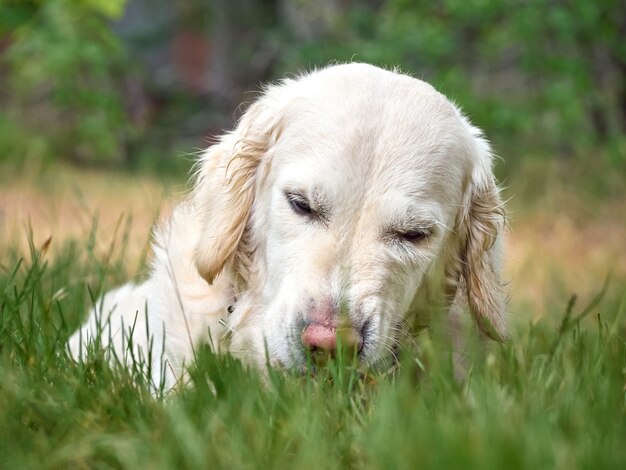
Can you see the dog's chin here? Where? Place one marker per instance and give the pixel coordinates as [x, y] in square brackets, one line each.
[304, 364]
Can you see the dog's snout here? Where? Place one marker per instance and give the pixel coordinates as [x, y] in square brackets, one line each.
[322, 337]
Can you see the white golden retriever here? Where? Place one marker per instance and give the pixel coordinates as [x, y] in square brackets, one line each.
[341, 203]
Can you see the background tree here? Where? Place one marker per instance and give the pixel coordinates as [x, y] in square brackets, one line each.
[140, 80]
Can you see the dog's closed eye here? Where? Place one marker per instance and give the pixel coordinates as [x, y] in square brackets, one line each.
[407, 235]
[414, 235]
[300, 204]
[312, 209]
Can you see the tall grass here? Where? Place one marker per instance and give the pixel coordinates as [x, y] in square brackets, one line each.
[553, 397]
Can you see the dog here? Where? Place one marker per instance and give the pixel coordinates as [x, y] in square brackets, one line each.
[343, 199]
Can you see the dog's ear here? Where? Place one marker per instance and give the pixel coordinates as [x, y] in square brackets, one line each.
[481, 228]
[225, 186]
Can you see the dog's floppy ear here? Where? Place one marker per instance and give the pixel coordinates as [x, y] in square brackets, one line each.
[482, 225]
[225, 186]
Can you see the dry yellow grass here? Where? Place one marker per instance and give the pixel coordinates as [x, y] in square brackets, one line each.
[564, 246]
[566, 234]
[64, 203]
[551, 257]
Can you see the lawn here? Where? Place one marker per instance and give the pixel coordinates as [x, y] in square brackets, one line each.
[552, 397]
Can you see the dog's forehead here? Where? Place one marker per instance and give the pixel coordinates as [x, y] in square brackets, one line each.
[393, 135]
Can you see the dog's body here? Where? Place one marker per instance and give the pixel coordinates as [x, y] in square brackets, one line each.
[340, 200]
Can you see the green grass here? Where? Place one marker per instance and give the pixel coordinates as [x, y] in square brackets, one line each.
[554, 397]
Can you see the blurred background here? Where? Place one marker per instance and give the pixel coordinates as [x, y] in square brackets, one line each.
[103, 104]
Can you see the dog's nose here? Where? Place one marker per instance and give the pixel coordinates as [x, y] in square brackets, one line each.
[318, 337]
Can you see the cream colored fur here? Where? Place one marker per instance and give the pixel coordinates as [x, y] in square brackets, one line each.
[377, 154]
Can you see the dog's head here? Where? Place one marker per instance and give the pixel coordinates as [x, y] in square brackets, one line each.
[334, 202]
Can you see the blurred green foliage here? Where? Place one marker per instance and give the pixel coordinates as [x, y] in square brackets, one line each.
[549, 75]
[65, 80]
[545, 77]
